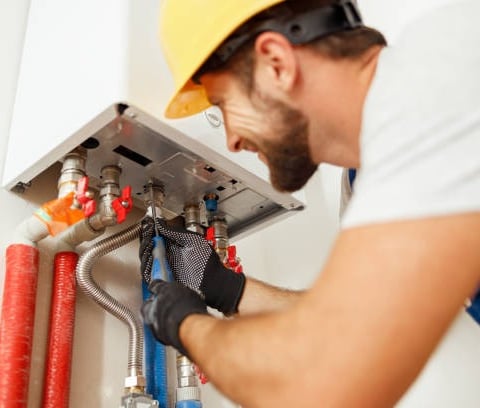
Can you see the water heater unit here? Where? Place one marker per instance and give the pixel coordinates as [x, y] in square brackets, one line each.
[92, 74]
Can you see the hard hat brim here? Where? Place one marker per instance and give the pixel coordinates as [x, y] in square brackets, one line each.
[189, 100]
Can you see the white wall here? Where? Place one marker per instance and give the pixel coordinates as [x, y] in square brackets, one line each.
[290, 254]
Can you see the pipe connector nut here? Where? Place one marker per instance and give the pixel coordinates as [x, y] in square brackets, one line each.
[135, 381]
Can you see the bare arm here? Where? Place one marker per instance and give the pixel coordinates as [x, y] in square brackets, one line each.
[361, 335]
[260, 297]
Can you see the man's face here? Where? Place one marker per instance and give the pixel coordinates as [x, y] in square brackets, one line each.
[259, 123]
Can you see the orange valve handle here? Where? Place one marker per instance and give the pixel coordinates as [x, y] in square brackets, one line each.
[59, 214]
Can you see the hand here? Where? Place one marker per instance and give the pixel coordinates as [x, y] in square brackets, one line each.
[170, 304]
[195, 264]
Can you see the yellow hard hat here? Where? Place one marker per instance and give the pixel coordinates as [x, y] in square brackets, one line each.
[190, 30]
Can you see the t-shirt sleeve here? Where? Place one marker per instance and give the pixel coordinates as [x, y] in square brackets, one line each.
[420, 141]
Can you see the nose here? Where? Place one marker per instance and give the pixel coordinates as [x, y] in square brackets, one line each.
[234, 142]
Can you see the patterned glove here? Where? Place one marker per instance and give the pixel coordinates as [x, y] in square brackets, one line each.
[195, 264]
[170, 304]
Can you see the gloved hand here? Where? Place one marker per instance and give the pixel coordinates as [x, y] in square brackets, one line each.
[169, 305]
[195, 264]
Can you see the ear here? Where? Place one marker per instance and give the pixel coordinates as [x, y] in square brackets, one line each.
[276, 61]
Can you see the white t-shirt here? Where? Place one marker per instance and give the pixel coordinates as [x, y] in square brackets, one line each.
[420, 138]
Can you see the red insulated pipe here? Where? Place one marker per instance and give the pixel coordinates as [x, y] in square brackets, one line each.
[16, 324]
[56, 388]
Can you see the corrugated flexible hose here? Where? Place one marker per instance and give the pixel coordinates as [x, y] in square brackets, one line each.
[111, 305]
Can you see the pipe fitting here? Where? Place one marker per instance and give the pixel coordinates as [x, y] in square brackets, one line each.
[135, 381]
[187, 382]
[109, 192]
[73, 169]
[188, 394]
[30, 231]
[221, 236]
[153, 197]
[135, 399]
[78, 233]
[192, 218]
[186, 375]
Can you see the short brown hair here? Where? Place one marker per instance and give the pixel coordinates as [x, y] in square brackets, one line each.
[350, 43]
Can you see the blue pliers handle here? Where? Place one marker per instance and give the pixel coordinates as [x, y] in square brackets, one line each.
[161, 268]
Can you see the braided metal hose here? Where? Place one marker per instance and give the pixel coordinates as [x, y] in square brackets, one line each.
[147, 232]
[107, 302]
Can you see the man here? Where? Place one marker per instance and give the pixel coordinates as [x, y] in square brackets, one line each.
[302, 83]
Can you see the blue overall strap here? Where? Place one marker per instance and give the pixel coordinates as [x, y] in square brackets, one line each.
[474, 308]
[352, 173]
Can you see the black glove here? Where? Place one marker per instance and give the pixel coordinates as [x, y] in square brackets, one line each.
[195, 264]
[170, 304]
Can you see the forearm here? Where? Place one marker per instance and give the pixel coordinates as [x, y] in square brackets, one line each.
[338, 344]
[260, 297]
[244, 351]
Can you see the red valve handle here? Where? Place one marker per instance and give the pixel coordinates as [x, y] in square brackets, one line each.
[123, 204]
[233, 262]
[210, 236]
[201, 375]
[89, 206]
[82, 188]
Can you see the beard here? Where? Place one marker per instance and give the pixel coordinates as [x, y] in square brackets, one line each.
[288, 158]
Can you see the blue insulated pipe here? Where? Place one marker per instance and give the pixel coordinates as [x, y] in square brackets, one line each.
[188, 404]
[155, 353]
[155, 363]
